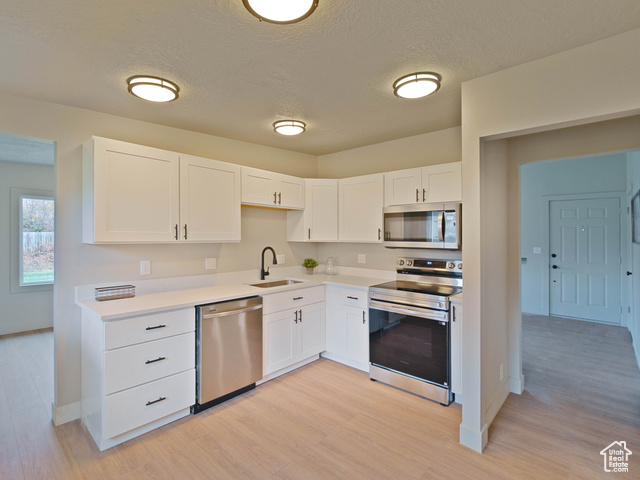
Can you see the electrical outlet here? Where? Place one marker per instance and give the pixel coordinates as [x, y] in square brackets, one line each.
[145, 267]
[210, 263]
[501, 371]
[280, 258]
[362, 258]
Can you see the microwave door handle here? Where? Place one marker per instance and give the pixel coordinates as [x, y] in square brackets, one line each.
[441, 226]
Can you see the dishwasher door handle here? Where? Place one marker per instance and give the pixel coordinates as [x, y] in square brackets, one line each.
[234, 311]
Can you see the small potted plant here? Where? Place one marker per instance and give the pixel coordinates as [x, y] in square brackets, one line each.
[309, 264]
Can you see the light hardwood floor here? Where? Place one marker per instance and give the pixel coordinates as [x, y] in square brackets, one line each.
[328, 421]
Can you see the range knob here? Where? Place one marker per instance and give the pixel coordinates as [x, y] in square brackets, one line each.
[460, 266]
[409, 263]
[451, 265]
[400, 262]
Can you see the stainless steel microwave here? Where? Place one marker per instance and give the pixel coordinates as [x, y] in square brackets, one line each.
[427, 225]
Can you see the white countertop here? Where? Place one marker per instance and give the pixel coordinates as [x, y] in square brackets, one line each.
[174, 299]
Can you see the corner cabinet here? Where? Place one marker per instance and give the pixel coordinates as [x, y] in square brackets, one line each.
[269, 189]
[137, 194]
[360, 209]
[432, 184]
[138, 373]
[318, 222]
[293, 329]
[348, 327]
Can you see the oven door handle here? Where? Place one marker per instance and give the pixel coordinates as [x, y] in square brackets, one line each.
[416, 312]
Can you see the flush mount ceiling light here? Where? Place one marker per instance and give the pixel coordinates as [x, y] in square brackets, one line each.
[289, 127]
[154, 89]
[417, 85]
[281, 11]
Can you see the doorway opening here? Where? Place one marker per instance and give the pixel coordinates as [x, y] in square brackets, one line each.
[27, 246]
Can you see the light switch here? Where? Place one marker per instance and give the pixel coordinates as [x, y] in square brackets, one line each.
[280, 258]
[210, 263]
[145, 267]
[537, 250]
[362, 258]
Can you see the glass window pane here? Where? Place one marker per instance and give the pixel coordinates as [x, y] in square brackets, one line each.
[37, 240]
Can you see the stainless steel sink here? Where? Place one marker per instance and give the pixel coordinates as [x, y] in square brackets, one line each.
[275, 283]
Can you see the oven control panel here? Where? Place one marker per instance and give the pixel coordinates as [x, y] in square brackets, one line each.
[429, 265]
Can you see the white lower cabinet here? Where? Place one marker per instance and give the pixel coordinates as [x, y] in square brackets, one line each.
[293, 335]
[138, 373]
[348, 326]
[456, 350]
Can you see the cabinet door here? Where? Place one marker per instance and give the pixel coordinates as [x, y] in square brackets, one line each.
[403, 187]
[280, 341]
[456, 350]
[258, 187]
[311, 330]
[357, 334]
[131, 191]
[209, 200]
[360, 209]
[442, 183]
[318, 222]
[290, 191]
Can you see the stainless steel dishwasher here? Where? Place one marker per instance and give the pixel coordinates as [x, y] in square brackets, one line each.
[228, 350]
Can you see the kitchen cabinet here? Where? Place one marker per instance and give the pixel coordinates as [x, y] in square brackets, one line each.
[270, 189]
[360, 209]
[432, 184]
[318, 222]
[456, 350]
[138, 194]
[347, 326]
[294, 328]
[138, 373]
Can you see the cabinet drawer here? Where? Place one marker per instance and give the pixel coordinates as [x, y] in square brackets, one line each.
[120, 333]
[353, 297]
[138, 406]
[130, 366]
[292, 299]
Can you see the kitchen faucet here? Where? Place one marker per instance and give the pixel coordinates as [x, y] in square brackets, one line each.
[263, 272]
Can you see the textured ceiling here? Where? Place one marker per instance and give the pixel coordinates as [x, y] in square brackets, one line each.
[333, 71]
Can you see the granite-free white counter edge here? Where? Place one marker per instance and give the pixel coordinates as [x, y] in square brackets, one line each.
[189, 298]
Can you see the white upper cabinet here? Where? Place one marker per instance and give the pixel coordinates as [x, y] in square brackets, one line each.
[270, 189]
[209, 200]
[318, 222]
[433, 184]
[360, 208]
[137, 194]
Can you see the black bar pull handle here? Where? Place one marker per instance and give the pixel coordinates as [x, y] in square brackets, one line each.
[160, 399]
[156, 327]
[352, 298]
[159, 359]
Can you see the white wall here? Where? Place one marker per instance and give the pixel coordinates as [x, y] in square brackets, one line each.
[88, 264]
[600, 174]
[557, 91]
[38, 302]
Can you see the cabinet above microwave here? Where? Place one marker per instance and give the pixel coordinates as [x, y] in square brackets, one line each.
[429, 225]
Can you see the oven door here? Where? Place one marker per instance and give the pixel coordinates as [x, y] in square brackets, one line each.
[410, 340]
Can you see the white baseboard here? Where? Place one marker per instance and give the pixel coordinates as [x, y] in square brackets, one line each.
[516, 384]
[495, 405]
[66, 413]
[345, 361]
[288, 369]
[475, 440]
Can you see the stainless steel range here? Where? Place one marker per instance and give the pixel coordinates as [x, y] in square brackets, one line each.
[409, 328]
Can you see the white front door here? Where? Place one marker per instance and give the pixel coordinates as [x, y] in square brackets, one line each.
[584, 261]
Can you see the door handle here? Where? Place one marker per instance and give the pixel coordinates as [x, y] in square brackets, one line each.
[296, 317]
[553, 255]
[300, 315]
[629, 273]
[185, 231]
[176, 231]
[417, 195]
[379, 233]
[441, 226]
[280, 198]
[363, 317]
[275, 196]
[424, 192]
[554, 266]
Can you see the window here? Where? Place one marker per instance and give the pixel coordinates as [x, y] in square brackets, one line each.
[36, 240]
